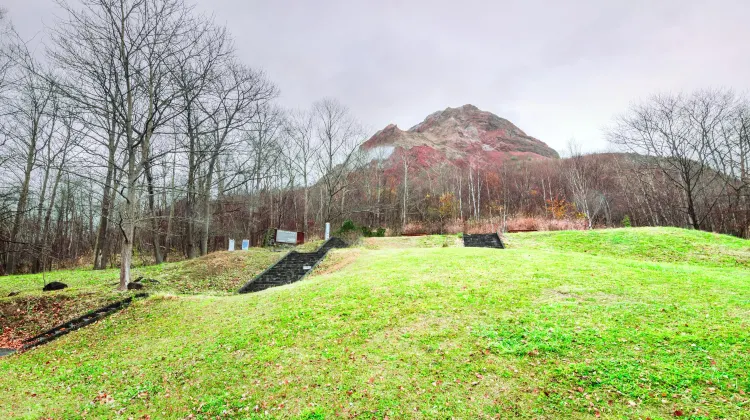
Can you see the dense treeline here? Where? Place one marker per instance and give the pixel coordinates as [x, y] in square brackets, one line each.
[137, 131]
[682, 160]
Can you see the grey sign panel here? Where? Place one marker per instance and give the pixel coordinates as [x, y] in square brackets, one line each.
[286, 237]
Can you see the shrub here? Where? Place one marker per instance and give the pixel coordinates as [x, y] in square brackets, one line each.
[346, 227]
[349, 228]
[626, 221]
[559, 208]
[268, 238]
[544, 224]
[413, 228]
[487, 225]
[367, 232]
[524, 223]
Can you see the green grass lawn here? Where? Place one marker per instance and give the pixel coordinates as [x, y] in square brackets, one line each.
[636, 323]
[32, 311]
[648, 244]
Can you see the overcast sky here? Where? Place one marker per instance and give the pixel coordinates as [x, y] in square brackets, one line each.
[558, 70]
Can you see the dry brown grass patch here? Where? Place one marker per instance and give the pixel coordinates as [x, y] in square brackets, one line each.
[336, 260]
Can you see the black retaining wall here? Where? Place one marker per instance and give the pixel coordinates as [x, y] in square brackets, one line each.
[483, 240]
[79, 322]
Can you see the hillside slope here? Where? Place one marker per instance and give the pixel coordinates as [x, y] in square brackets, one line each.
[418, 332]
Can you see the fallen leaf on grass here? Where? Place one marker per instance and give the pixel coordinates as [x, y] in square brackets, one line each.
[103, 398]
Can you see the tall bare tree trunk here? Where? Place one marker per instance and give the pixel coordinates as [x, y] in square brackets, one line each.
[36, 241]
[406, 193]
[155, 225]
[22, 198]
[170, 218]
[190, 202]
[305, 206]
[127, 224]
[207, 205]
[100, 261]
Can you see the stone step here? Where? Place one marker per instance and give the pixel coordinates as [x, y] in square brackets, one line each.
[291, 268]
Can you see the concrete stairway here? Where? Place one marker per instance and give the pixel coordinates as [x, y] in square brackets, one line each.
[293, 267]
[483, 240]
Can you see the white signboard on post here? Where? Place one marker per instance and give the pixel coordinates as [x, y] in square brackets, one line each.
[231, 244]
[286, 237]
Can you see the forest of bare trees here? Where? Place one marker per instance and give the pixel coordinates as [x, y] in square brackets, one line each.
[136, 135]
[135, 127]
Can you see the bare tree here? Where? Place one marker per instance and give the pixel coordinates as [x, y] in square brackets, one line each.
[299, 130]
[136, 42]
[339, 136]
[263, 151]
[58, 155]
[406, 161]
[240, 99]
[475, 190]
[194, 74]
[680, 133]
[29, 108]
[732, 158]
[739, 158]
[5, 60]
[582, 173]
[91, 82]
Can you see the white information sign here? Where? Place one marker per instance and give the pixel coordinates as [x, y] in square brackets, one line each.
[245, 244]
[328, 230]
[286, 237]
[231, 244]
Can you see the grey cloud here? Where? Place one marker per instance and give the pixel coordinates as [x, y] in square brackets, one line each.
[556, 69]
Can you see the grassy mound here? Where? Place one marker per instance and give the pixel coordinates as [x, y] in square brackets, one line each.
[649, 244]
[429, 241]
[32, 311]
[417, 332]
[217, 273]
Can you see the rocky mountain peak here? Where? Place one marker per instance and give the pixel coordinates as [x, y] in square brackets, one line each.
[460, 135]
